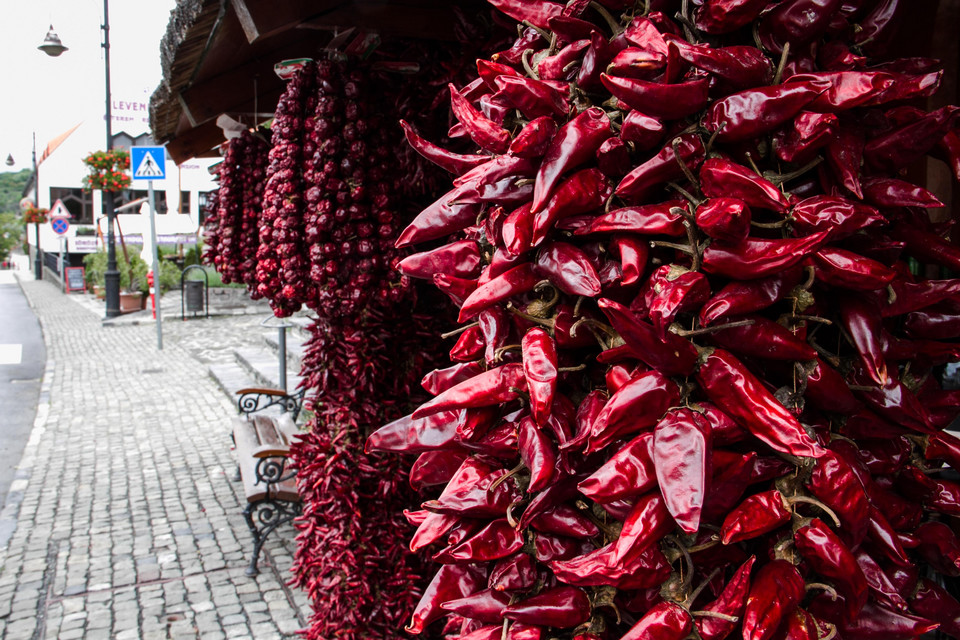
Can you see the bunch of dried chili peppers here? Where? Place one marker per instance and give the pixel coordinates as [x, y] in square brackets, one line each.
[361, 364]
[694, 390]
[231, 233]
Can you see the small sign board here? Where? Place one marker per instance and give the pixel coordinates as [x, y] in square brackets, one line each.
[148, 163]
[59, 210]
[82, 244]
[59, 225]
[74, 279]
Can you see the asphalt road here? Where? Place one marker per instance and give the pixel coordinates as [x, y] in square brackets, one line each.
[22, 360]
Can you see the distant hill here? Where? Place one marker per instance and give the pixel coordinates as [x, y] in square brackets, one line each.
[11, 190]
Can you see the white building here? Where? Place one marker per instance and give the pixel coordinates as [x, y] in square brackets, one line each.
[180, 198]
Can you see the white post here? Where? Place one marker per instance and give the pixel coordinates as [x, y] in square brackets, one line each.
[156, 264]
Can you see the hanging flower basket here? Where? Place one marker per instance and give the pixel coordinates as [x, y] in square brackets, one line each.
[107, 170]
[35, 215]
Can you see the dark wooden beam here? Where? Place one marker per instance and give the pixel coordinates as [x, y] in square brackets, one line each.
[195, 142]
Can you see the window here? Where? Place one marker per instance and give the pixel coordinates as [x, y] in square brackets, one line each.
[184, 202]
[203, 199]
[77, 202]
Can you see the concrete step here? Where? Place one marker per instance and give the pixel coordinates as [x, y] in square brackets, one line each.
[231, 377]
[295, 347]
[263, 365]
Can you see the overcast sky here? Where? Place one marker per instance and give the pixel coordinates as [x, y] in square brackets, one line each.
[49, 95]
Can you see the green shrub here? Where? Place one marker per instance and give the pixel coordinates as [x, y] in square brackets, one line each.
[133, 276]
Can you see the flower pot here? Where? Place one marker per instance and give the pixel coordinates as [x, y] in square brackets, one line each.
[130, 302]
[99, 291]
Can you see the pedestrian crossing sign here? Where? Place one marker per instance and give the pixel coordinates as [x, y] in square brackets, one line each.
[148, 163]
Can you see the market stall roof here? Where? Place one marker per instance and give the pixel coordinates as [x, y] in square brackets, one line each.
[218, 56]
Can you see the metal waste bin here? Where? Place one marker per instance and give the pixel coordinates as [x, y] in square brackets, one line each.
[194, 294]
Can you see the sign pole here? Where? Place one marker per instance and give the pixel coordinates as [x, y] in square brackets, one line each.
[155, 266]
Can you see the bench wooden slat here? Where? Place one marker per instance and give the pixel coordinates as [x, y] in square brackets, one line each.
[250, 449]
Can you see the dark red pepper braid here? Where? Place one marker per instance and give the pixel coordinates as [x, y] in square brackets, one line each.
[697, 370]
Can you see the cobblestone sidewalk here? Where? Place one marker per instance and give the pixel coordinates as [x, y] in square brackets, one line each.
[126, 522]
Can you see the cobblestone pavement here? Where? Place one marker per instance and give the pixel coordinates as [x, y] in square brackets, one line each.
[127, 522]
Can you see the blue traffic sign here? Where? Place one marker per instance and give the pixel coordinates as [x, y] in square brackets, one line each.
[59, 225]
[148, 163]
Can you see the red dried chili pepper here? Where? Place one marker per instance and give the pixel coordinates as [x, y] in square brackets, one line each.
[738, 67]
[538, 454]
[460, 259]
[562, 607]
[877, 28]
[533, 98]
[440, 219]
[827, 390]
[513, 573]
[486, 133]
[576, 142]
[836, 214]
[562, 65]
[540, 369]
[777, 589]
[730, 602]
[724, 16]
[809, 132]
[753, 112]
[671, 290]
[759, 514]
[435, 467]
[935, 603]
[633, 253]
[845, 269]
[651, 219]
[583, 192]
[668, 101]
[724, 218]
[568, 268]
[720, 178]
[485, 606]
[844, 155]
[455, 163]
[415, 435]
[636, 406]
[763, 338]
[449, 583]
[878, 582]
[647, 522]
[488, 388]
[906, 144]
[682, 453]
[439, 380]
[739, 298]
[669, 354]
[535, 138]
[629, 472]
[641, 568]
[636, 62]
[515, 281]
[891, 192]
[644, 131]
[496, 540]
[927, 246]
[830, 557]
[759, 257]
[730, 386]
[536, 13]
[661, 168]
[664, 621]
[564, 520]
[795, 22]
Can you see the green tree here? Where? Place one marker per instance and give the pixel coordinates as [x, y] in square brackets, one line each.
[11, 190]
[11, 232]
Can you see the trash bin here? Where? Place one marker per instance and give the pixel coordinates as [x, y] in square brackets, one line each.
[194, 295]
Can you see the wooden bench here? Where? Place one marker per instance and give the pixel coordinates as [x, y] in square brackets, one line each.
[262, 444]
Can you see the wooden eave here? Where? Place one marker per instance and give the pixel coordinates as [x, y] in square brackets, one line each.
[218, 56]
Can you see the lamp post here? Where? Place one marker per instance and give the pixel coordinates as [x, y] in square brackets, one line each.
[38, 264]
[111, 278]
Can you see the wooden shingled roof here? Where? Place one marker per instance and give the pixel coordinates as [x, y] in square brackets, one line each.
[218, 55]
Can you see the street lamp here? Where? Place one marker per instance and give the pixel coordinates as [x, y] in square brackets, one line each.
[111, 278]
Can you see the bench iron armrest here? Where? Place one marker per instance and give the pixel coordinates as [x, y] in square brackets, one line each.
[253, 400]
